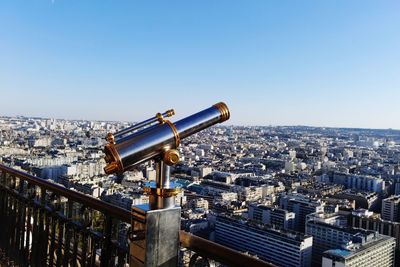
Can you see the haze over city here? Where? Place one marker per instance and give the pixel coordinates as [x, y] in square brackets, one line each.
[274, 62]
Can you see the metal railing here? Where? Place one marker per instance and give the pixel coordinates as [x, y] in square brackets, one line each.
[45, 224]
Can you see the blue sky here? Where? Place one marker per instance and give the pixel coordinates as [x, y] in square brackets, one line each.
[321, 63]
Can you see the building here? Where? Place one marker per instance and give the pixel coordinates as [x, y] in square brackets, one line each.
[233, 208]
[363, 199]
[330, 231]
[280, 247]
[280, 218]
[198, 203]
[250, 193]
[390, 209]
[319, 189]
[204, 171]
[360, 182]
[368, 251]
[301, 206]
[372, 221]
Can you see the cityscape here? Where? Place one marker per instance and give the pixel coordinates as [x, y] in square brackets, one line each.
[288, 195]
[200, 133]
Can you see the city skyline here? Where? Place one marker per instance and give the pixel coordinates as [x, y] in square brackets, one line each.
[310, 63]
[292, 196]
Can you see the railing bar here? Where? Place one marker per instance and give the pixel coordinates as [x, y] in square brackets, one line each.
[18, 226]
[3, 207]
[35, 235]
[39, 238]
[84, 249]
[13, 217]
[68, 234]
[121, 257]
[52, 240]
[60, 242]
[45, 248]
[21, 222]
[106, 250]
[75, 249]
[23, 229]
[8, 222]
[28, 232]
[93, 252]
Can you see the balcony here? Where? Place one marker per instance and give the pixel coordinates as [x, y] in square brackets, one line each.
[45, 224]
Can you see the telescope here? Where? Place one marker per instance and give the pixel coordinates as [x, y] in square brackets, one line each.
[157, 137]
[154, 239]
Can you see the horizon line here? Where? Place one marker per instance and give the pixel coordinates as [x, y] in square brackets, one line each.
[224, 125]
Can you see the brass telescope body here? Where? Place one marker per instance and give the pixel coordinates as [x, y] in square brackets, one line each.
[157, 141]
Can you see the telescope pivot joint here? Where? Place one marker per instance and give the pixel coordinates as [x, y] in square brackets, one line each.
[171, 157]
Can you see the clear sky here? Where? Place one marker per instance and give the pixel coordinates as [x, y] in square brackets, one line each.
[320, 63]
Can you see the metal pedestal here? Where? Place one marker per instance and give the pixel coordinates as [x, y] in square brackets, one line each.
[155, 239]
[155, 226]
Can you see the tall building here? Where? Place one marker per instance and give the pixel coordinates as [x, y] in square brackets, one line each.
[280, 247]
[372, 221]
[370, 250]
[390, 209]
[330, 231]
[301, 206]
[272, 216]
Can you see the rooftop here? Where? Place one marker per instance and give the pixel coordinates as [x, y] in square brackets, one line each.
[352, 249]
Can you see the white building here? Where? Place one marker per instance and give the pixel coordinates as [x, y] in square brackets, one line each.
[280, 247]
[372, 251]
[330, 232]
